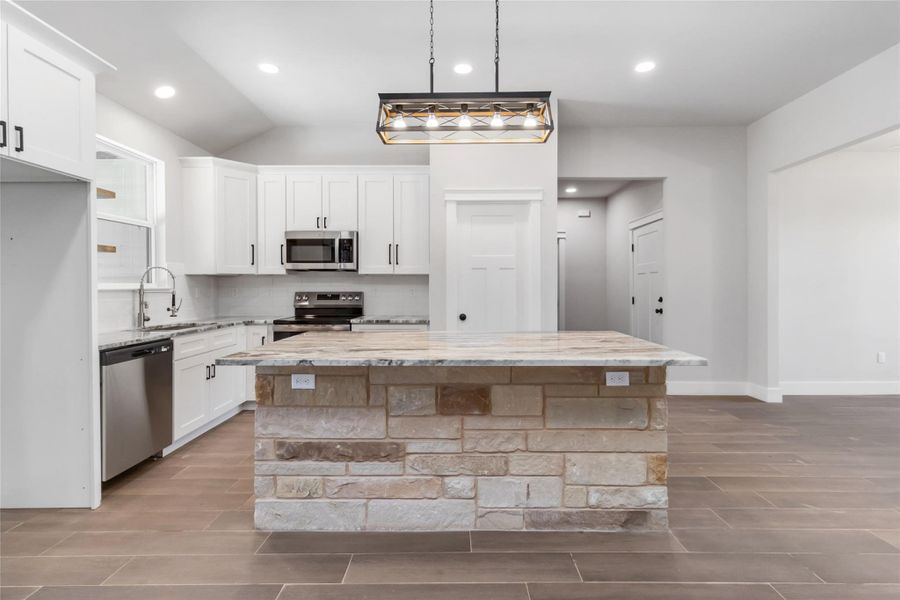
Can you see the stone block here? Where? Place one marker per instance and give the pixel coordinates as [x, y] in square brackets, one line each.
[500, 520]
[659, 414]
[632, 391]
[493, 441]
[264, 487]
[575, 496]
[574, 390]
[647, 496]
[600, 413]
[656, 374]
[456, 464]
[376, 468]
[310, 515]
[340, 451]
[464, 400]
[503, 422]
[536, 464]
[411, 400]
[544, 375]
[428, 515]
[657, 468]
[606, 469]
[383, 487]
[320, 422]
[265, 388]
[517, 400]
[264, 449]
[433, 446]
[331, 390]
[298, 487]
[459, 487]
[436, 375]
[299, 468]
[424, 427]
[516, 492]
[377, 395]
[592, 440]
[596, 520]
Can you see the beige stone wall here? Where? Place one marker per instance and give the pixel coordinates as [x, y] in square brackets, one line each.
[434, 448]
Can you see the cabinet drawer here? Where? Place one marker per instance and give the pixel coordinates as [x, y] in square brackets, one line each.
[191, 345]
[223, 338]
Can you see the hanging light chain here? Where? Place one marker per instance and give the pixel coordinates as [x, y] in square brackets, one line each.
[431, 41]
[496, 45]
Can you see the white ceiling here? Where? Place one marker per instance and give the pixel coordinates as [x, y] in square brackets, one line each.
[718, 62]
[590, 188]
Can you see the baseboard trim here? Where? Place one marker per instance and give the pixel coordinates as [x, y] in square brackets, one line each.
[840, 388]
[200, 431]
[723, 388]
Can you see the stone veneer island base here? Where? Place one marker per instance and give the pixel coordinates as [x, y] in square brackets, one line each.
[518, 431]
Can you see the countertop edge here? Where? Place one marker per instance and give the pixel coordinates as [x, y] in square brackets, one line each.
[611, 362]
[131, 337]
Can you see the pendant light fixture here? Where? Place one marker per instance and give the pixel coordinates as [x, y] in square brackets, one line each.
[465, 118]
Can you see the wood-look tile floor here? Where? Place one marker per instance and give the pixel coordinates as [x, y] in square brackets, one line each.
[799, 501]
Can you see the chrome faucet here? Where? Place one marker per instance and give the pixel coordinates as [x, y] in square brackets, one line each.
[143, 305]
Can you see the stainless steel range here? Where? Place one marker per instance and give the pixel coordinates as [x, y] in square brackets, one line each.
[319, 311]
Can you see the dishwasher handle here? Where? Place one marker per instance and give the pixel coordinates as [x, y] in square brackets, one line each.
[120, 355]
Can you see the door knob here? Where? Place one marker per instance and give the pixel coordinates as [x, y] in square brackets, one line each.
[462, 316]
[660, 299]
[659, 311]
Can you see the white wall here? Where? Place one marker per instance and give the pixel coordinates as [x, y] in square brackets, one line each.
[357, 145]
[839, 281]
[704, 207]
[585, 263]
[117, 309]
[635, 200]
[491, 168]
[857, 104]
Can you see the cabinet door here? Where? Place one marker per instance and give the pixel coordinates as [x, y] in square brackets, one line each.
[190, 394]
[236, 250]
[411, 225]
[271, 224]
[339, 202]
[50, 107]
[226, 388]
[304, 202]
[376, 224]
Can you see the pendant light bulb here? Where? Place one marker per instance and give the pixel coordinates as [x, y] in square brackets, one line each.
[432, 120]
[464, 120]
[530, 121]
[398, 122]
[497, 121]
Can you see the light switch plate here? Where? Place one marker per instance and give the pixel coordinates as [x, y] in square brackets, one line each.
[303, 381]
[881, 358]
[617, 378]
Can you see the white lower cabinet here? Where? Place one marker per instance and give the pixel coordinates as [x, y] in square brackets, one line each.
[256, 335]
[190, 394]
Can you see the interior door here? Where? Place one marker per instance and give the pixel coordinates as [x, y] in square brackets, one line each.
[376, 224]
[304, 202]
[411, 224]
[493, 279]
[647, 281]
[339, 203]
[236, 248]
[271, 215]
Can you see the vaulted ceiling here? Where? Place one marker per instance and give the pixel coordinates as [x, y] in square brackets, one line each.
[718, 62]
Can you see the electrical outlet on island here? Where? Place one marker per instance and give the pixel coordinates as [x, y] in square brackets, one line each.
[617, 378]
[303, 381]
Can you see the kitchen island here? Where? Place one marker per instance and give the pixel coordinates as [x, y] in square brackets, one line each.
[451, 431]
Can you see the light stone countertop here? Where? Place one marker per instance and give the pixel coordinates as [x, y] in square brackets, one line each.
[454, 349]
[129, 337]
[389, 320]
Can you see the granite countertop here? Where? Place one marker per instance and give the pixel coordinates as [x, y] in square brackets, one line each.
[441, 348]
[389, 320]
[129, 337]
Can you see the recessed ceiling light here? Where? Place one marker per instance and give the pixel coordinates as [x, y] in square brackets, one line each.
[268, 68]
[462, 68]
[645, 66]
[571, 189]
[164, 91]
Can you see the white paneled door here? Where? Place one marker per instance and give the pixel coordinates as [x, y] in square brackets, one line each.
[304, 202]
[495, 284]
[339, 202]
[236, 247]
[647, 281]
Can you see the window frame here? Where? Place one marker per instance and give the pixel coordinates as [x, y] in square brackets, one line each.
[156, 212]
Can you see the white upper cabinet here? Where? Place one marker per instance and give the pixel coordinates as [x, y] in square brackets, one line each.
[304, 201]
[271, 212]
[48, 114]
[339, 202]
[219, 210]
[393, 224]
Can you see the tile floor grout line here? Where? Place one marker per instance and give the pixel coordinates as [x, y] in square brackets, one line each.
[263, 542]
[780, 595]
[575, 564]
[48, 549]
[347, 570]
[281, 591]
[122, 566]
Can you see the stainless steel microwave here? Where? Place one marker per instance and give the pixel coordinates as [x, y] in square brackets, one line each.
[320, 250]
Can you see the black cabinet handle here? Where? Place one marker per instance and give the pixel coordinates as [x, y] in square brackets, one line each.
[325, 223]
[21, 145]
[317, 222]
[263, 342]
[389, 255]
[213, 371]
[252, 254]
[396, 254]
[3, 134]
[659, 311]
[207, 372]
[462, 316]
[281, 253]
[660, 299]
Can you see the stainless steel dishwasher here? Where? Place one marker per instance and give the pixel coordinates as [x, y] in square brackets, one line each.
[135, 404]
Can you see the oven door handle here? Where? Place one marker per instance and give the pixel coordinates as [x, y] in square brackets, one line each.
[309, 328]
